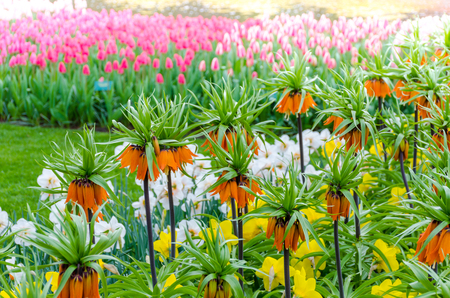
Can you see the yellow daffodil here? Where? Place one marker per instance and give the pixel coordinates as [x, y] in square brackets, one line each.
[331, 146]
[52, 277]
[385, 286]
[102, 264]
[226, 229]
[397, 194]
[313, 215]
[367, 183]
[313, 247]
[379, 148]
[254, 227]
[306, 265]
[273, 274]
[391, 255]
[411, 254]
[304, 287]
[170, 281]
[3, 294]
[163, 245]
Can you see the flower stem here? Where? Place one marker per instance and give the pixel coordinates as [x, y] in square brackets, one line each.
[233, 214]
[90, 215]
[357, 224]
[287, 278]
[381, 126]
[338, 258]
[402, 168]
[416, 134]
[241, 245]
[172, 216]
[300, 143]
[149, 231]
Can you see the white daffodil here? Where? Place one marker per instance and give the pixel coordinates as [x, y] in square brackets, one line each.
[194, 202]
[17, 277]
[49, 180]
[188, 226]
[25, 229]
[4, 221]
[103, 227]
[140, 205]
[57, 213]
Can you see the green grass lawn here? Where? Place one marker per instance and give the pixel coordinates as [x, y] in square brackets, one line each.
[21, 151]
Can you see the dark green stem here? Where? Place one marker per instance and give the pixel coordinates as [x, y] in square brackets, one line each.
[287, 278]
[149, 231]
[402, 169]
[338, 258]
[172, 217]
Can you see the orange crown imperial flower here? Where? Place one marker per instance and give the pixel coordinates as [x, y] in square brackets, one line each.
[87, 194]
[172, 159]
[439, 246]
[233, 189]
[337, 204]
[404, 147]
[336, 122]
[406, 95]
[377, 87]
[354, 138]
[438, 138]
[82, 283]
[228, 137]
[291, 103]
[279, 226]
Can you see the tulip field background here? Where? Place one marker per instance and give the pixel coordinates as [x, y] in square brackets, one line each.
[224, 149]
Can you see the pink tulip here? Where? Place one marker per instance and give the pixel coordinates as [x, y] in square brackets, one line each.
[254, 75]
[124, 63]
[241, 51]
[219, 49]
[181, 79]
[169, 63]
[250, 62]
[202, 66]
[230, 72]
[215, 64]
[116, 65]
[122, 52]
[136, 66]
[270, 58]
[101, 55]
[101, 79]
[155, 63]
[108, 67]
[86, 70]
[62, 67]
[159, 78]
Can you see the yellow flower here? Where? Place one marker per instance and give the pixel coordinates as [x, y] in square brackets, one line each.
[273, 274]
[389, 253]
[386, 286]
[226, 229]
[367, 183]
[331, 146]
[163, 245]
[53, 278]
[3, 294]
[254, 227]
[379, 148]
[397, 194]
[304, 287]
[411, 254]
[306, 265]
[311, 248]
[313, 215]
[170, 281]
[102, 264]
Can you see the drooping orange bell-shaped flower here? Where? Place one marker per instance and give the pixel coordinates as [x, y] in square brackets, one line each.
[337, 204]
[290, 104]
